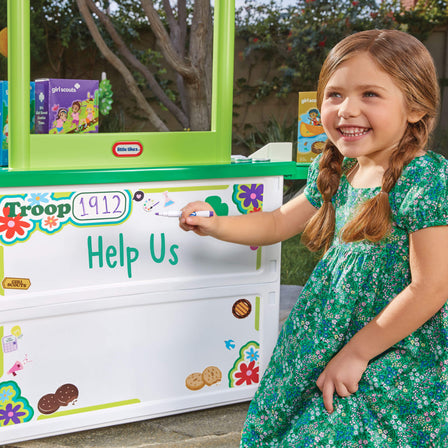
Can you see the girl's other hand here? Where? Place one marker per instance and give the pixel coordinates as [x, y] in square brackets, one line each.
[341, 375]
[199, 225]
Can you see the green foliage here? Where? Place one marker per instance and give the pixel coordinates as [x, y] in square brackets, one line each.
[423, 18]
[298, 38]
[57, 21]
[53, 24]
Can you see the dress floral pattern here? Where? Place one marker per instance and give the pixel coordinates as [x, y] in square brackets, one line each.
[402, 399]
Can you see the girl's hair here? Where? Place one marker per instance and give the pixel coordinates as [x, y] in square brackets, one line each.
[407, 61]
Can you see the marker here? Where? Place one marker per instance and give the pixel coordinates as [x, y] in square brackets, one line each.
[178, 213]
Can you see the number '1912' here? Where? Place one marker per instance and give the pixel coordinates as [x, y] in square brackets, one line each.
[107, 206]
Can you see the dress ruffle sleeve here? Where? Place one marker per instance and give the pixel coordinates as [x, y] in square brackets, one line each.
[422, 195]
[311, 191]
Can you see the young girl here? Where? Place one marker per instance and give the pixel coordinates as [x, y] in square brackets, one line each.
[363, 358]
[61, 119]
[76, 107]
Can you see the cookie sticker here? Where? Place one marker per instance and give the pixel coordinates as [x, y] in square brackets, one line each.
[48, 404]
[66, 394]
[211, 375]
[241, 308]
[194, 381]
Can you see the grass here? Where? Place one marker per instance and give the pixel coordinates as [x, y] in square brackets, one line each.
[297, 262]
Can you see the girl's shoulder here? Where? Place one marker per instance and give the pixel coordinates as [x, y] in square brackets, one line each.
[420, 197]
[426, 170]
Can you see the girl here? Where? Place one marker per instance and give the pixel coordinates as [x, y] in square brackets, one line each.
[76, 107]
[61, 119]
[363, 358]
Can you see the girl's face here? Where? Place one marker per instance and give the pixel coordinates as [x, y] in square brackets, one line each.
[363, 111]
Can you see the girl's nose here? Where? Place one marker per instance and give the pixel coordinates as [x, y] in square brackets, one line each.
[348, 108]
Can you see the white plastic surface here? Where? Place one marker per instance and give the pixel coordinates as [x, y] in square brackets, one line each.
[126, 308]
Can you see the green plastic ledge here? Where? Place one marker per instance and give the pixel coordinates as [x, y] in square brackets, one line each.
[290, 170]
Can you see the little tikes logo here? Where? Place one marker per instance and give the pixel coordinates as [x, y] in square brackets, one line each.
[127, 149]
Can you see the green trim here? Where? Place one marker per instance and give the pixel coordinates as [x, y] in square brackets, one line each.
[258, 265]
[177, 189]
[98, 407]
[290, 170]
[257, 313]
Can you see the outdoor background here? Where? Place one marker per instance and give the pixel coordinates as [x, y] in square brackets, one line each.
[158, 56]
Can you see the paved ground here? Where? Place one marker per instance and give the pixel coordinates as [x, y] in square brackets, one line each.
[211, 428]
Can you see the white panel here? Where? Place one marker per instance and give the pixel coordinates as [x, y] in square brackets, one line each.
[100, 294]
[130, 357]
[97, 241]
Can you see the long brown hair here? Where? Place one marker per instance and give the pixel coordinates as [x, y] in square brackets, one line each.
[406, 60]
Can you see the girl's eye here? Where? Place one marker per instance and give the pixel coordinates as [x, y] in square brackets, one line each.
[333, 94]
[370, 94]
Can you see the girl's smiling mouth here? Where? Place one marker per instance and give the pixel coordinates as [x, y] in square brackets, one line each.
[349, 132]
[353, 131]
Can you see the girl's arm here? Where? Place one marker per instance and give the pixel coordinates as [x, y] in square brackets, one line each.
[255, 229]
[409, 310]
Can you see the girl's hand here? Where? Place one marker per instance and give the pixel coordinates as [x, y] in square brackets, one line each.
[199, 225]
[342, 375]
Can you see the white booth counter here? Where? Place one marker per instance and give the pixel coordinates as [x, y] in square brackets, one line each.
[111, 313]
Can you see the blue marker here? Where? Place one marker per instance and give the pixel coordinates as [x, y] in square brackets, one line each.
[178, 213]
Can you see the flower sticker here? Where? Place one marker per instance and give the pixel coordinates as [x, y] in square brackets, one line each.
[12, 414]
[6, 393]
[51, 222]
[14, 408]
[38, 198]
[248, 197]
[252, 355]
[12, 225]
[245, 370]
[247, 374]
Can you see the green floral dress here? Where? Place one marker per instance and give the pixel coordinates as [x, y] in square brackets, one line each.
[402, 399]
